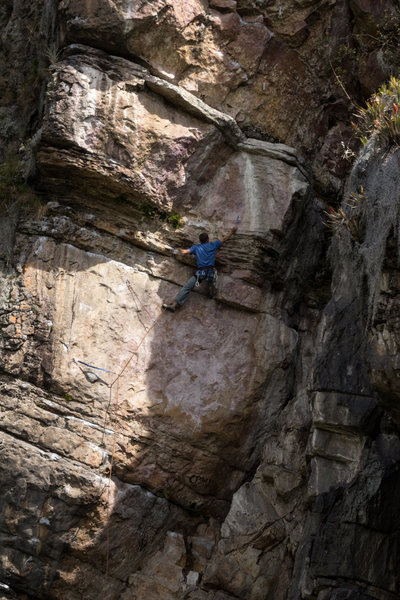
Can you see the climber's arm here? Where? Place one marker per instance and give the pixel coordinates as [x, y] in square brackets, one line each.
[183, 251]
[228, 235]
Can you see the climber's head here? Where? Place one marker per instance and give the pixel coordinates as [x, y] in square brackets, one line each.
[203, 237]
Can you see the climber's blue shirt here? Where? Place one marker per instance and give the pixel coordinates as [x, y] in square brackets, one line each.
[205, 253]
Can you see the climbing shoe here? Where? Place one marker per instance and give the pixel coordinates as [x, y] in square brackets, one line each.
[170, 307]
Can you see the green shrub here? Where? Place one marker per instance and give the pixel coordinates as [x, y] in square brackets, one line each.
[175, 220]
[153, 212]
[380, 118]
[148, 210]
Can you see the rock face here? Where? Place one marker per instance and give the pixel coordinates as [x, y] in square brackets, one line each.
[246, 446]
[289, 71]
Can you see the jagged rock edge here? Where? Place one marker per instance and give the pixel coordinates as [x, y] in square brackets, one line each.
[193, 105]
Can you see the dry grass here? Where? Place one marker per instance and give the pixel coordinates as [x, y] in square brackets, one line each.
[348, 216]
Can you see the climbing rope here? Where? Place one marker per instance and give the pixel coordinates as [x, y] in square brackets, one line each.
[115, 383]
[136, 297]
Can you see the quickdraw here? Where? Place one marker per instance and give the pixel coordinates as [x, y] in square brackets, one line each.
[97, 368]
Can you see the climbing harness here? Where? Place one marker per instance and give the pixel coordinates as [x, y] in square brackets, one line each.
[209, 274]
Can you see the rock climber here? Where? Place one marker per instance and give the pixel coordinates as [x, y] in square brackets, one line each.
[205, 257]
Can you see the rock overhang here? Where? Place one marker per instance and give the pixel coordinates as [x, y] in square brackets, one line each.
[126, 137]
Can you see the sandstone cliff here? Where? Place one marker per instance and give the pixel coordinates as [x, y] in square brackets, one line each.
[246, 446]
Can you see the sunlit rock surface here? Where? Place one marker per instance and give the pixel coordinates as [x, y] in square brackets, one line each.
[246, 446]
[284, 70]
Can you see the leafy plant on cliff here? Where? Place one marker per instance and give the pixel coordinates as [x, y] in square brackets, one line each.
[175, 220]
[148, 210]
[380, 118]
[152, 212]
[343, 62]
[349, 215]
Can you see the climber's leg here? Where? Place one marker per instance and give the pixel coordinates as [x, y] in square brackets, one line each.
[184, 293]
[182, 296]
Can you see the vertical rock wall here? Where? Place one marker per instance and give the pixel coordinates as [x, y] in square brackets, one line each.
[354, 440]
[246, 446]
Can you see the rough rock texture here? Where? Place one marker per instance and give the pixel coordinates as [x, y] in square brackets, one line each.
[289, 71]
[248, 445]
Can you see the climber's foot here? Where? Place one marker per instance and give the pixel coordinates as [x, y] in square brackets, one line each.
[171, 307]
